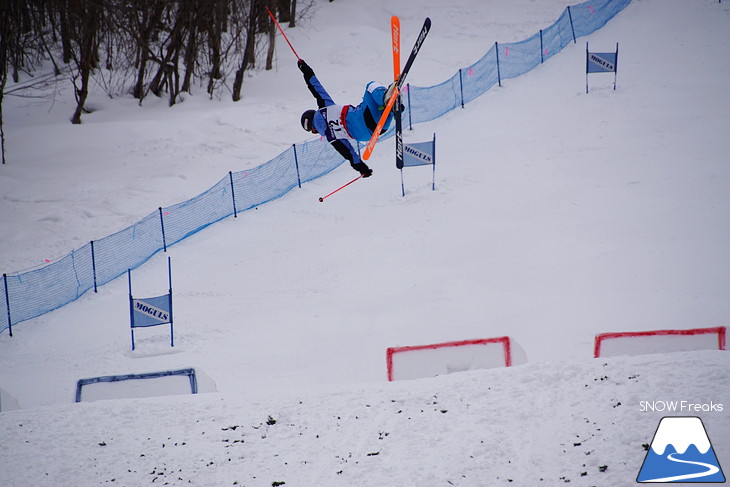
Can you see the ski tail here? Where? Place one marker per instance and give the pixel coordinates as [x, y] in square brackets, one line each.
[395, 37]
[398, 85]
[417, 47]
[398, 137]
[395, 31]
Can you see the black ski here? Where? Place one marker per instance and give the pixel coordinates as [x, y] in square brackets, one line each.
[398, 84]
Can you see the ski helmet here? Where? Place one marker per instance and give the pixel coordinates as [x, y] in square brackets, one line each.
[308, 121]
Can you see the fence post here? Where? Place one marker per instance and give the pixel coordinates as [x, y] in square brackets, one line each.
[615, 69]
[7, 303]
[131, 306]
[162, 227]
[496, 51]
[296, 163]
[169, 278]
[410, 115]
[570, 16]
[587, 66]
[93, 263]
[433, 172]
[233, 194]
[542, 49]
[461, 87]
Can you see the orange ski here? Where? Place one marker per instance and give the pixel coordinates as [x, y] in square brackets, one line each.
[398, 83]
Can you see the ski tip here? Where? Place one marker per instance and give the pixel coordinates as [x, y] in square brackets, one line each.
[427, 21]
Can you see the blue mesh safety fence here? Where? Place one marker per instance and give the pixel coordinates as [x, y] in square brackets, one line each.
[480, 76]
[183, 219]
[32, 293]
[135, 244]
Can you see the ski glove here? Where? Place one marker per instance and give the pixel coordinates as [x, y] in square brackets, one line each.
[363, 169]
[305, 69]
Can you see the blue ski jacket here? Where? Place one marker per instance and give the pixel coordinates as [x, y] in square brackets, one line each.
[341, 125]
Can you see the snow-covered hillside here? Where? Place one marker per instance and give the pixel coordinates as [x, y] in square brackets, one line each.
[557, 215]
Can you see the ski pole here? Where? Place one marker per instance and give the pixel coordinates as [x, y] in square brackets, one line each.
[282, 33]
[341, 187]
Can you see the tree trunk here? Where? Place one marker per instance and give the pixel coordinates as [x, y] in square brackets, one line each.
[65, 35]
[138, 91]
[81, 95]
[215, 36]
[143, 38]
[4, 30]
[237, 84]
[284, 10]
[293, 15]
[272, 45]
[174, 82]
[2, 128]
[164, 71]
[190, 51]
[89, 21]
[248, 52]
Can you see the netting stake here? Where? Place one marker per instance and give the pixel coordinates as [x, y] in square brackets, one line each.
[496, 51]
[461, 88]
[162, 226]
[93, 263]
[233, 194]
[296, 163]
[410, 115]
[7, 303]
[570, 16]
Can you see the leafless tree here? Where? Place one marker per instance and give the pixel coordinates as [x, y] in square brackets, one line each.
[85, 19]
[5, 19]
[161, 47]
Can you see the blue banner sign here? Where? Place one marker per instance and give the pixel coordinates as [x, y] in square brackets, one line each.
[418, 154]
[601, 62]
[151, 311]
[154, 311]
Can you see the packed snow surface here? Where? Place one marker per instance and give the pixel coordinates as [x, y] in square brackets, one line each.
[557, 215]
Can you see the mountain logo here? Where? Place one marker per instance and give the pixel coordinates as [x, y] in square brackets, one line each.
[680, 452]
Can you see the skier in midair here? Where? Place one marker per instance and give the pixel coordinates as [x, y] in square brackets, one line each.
[341, 124]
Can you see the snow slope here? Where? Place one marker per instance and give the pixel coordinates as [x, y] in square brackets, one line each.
[557, 215]
[483, 428]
